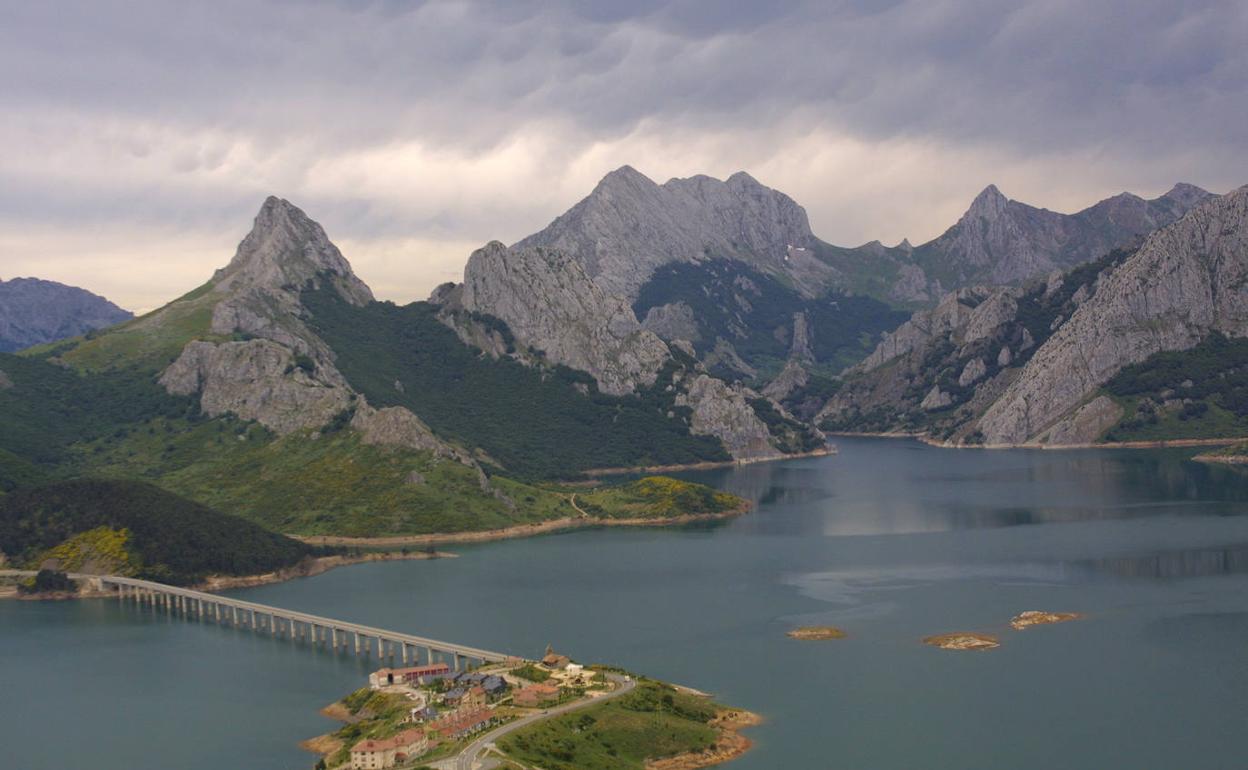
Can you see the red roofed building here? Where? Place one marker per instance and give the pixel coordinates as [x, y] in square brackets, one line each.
[463, 723]
[413, 675]
[388, 752]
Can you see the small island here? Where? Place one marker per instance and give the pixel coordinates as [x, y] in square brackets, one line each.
[1036, 618]
[963, 641]
[552, 713]
[815, 633]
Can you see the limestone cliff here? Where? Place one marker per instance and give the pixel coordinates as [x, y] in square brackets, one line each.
[551, 305]
[1186, 281]
[1024, 365]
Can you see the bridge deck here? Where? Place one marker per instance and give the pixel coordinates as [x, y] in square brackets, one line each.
[316, 621]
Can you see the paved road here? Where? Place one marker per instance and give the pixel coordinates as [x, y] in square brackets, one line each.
[469, 758]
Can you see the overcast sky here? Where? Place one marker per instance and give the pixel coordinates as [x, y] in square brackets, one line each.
[141, 137]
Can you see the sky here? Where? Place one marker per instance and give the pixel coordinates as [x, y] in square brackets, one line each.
[139, 138]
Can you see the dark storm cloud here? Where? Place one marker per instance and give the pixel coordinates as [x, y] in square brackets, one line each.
[137, 109]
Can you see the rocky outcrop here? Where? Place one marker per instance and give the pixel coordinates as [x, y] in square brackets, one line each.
[724, 356]
[801, 347]
[935, 399]
[722, 411]
[1185, 281]
[5, 382]
[255, 380]
[550, 305]
[1086, 424]
[974, 370]
[397, 426]
[34, 311]
[674, 321]
[792, 377]
[953, 313]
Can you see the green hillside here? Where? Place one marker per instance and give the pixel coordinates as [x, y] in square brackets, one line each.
[136, 529]
[1197, 393]
[535, 422]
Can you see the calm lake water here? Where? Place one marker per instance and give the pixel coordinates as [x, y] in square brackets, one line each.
[891, 540]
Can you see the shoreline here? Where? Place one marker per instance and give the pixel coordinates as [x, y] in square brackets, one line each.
[709, 465]
[316, 565]
[731, 744]
[1172, 443]
[548, 527]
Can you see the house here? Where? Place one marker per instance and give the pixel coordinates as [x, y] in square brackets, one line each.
[536, 694]
[413, 675]
[460, 697]
[388, 752]
[494, 686]
[464, 723]
[426, 714]
[554, 660]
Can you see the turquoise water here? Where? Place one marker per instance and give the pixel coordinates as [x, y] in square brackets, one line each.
[891, 540]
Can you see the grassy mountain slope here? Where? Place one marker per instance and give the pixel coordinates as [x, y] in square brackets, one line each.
[1196, 393]
[534, 422]
[138, 529]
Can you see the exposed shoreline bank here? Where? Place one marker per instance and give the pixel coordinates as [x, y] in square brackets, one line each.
[521, 530]
[1175, 443]
[731, 744]
[318, 565]
[315, 565]
[597, 472]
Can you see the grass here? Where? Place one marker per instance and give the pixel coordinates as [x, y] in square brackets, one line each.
[333, 484]
[652, 722]
[656, 497]
[150, 342]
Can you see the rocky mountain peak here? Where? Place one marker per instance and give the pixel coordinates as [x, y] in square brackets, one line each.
[1186, 194]
[624, 180]
[629, 226]
[989, 204]
[286, 250]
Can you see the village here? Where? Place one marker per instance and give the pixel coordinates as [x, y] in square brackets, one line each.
[444, 709]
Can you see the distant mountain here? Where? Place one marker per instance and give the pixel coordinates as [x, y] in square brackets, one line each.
[34, 311]
[999, 241]
[1143, 343]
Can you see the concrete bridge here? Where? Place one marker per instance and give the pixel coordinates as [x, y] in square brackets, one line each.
[390, 647]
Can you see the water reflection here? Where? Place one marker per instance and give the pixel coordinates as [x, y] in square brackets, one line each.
[1196, 562]
[866, 491]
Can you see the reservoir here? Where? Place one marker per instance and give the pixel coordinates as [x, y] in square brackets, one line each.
[890, 540]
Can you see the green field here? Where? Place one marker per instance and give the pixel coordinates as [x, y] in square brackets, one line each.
[653, 721]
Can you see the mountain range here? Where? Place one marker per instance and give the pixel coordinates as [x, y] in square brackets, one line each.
[1144, 343]
[651, 325]
[34, 311]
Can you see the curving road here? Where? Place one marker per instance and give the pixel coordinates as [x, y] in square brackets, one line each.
[470, 757]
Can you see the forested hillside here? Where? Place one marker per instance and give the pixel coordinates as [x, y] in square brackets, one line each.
[136, 529]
